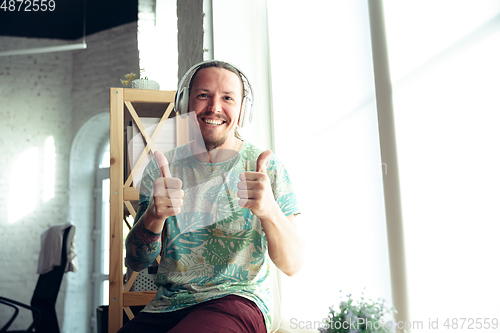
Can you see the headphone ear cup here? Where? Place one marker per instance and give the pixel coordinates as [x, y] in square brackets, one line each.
[246, 111]
[182, 101]
[243, 113]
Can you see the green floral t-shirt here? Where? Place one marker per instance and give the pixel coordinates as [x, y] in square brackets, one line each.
[214, 248]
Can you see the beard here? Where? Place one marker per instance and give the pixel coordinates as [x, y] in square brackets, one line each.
[211, 141]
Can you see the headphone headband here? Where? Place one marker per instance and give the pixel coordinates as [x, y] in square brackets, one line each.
[182, 96]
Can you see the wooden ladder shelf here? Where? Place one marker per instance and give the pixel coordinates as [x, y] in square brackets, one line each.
[130, 105]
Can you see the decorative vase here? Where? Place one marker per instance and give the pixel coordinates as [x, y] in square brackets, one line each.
[145, 84]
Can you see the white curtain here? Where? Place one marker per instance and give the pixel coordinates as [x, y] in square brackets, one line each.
[311, 65]
[445, 67]
[326, 133]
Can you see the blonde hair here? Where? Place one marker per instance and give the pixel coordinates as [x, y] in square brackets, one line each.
[232, 69]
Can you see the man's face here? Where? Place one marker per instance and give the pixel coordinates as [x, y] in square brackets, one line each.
[215, 97]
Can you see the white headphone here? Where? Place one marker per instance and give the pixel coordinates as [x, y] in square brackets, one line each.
[182, 95]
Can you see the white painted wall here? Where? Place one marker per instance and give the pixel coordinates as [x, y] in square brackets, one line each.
[55, 95]
[35, 104]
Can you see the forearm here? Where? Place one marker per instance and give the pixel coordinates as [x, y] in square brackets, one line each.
[142, 245]
[285, 245]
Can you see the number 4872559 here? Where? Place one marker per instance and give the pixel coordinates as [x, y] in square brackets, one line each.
[471, 323]
[28, 5]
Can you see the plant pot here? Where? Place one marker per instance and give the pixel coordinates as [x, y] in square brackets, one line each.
[145, 84]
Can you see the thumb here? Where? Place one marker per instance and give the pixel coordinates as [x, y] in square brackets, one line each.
[163, 163]
[262, 161]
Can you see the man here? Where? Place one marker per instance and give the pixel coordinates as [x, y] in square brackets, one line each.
[216, 209]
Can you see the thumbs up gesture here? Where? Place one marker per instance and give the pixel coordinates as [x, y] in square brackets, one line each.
[167, 192]
[255, 190]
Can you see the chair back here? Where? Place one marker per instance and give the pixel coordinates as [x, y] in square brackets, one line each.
[46, 291]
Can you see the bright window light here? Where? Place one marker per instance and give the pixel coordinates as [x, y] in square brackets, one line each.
[105, 223]
[23, 192]
[105, 158]
[105, 292]
[444, 58]
[157, 39]
[326, 132]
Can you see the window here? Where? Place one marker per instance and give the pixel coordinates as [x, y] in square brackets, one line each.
[312, 67]
[326, 132]
[445, 69]
[317, 106]
[101, 233]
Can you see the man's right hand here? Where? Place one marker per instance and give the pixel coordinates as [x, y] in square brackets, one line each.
[167, 195]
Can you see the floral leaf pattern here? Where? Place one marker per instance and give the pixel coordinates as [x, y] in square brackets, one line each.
[222, 246]
[214, 247]
[182, 243]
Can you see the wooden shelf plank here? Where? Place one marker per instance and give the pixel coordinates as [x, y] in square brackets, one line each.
[121, 298]
[133, 298]
[116, 211]
[148, 96]
[130, 194]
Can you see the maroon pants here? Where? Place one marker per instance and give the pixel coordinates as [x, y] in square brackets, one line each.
[226, 314]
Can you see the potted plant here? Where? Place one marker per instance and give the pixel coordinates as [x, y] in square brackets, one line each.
[131, 80]
[361, 316]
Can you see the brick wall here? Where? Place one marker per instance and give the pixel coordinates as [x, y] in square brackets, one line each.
[110, 55]
[54, 95]
[35, 104]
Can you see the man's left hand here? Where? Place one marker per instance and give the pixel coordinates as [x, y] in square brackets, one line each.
[255, 190]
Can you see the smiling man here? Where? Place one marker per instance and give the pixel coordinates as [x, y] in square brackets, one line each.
[217, 210]
[215, 97]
